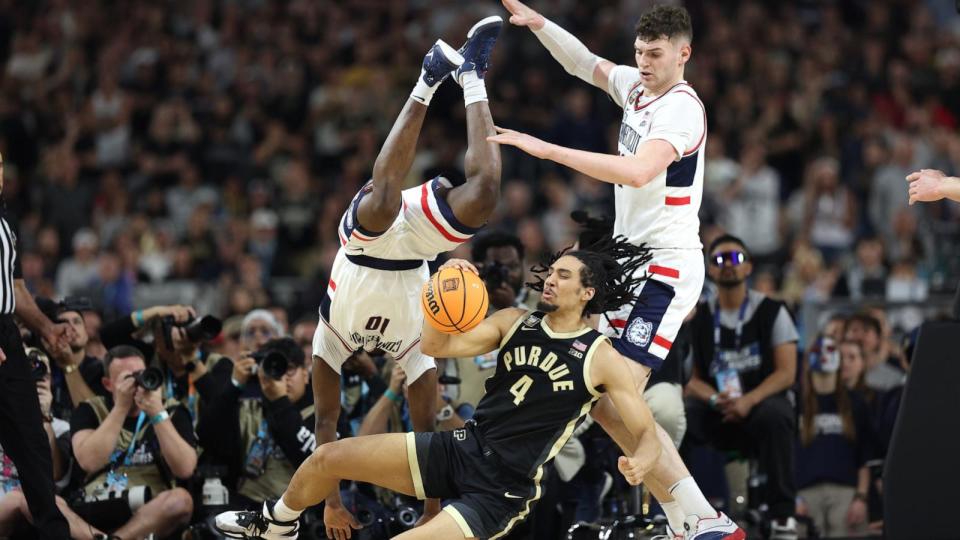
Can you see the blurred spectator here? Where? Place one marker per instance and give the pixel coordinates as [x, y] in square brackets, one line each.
[78, 272]
[835, 445]
[866, 277]
[75, 375]
[825, 212]
[127, 441]
[751, 205]
[882, 368]
[744, 368]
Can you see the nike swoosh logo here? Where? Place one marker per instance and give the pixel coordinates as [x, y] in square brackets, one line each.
[509, 496]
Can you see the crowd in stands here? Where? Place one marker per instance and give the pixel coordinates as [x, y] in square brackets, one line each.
[153, 150]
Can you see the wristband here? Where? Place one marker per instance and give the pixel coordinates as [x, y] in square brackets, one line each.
[713, 400]
[860, 497]
[159, 417]
[392, 396]
[138, 318]
[236, 384]
[70, 369]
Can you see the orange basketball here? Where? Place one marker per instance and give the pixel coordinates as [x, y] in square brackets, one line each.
[454, 301]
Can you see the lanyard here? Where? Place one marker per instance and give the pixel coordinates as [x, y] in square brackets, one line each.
[262, 432]
[133, 441]
[738, 332]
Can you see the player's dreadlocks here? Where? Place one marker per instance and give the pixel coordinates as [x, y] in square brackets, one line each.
[610, 265]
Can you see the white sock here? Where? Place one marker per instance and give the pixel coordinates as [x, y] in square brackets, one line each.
[282, 512]
[687, 493]
[675, 515]
[423, 92]
[473, 88]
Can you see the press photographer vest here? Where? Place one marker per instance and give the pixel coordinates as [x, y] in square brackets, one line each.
[279, 470]
[150, 475]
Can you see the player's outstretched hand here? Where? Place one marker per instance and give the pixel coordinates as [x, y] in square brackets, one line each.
[925, 185]
[339, 522]
[529, 144]
[522, 15]
[462, 264]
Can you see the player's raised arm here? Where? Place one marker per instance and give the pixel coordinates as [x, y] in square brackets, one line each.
[566, 49]
[610, 371]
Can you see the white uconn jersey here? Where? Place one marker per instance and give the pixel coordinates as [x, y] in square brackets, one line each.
[373, 296]
[662, 213]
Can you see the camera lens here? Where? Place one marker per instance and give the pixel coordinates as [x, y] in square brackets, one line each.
[275, 365]
[39, 369]
[203, 329]
[365, 517]
[149, 379]
[407, 517]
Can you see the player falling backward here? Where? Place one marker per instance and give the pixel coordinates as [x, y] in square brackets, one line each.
[387, 234]
[551, 369]
[658, 179]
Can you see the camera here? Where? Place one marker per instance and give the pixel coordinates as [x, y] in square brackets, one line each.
[273, 363]
[148, 379]
[198, 330]
[495, 274]
[38, 369]
[134, 498]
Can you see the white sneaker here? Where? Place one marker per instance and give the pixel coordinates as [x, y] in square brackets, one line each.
[716, 528]
[261, 525]
[785, 529]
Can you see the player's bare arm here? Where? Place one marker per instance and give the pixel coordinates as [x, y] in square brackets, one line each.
[484, 338]
[610, 371]
[652, 158]
[930, 185]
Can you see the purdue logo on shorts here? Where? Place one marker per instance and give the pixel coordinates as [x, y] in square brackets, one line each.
[450, 285]
[639, 332]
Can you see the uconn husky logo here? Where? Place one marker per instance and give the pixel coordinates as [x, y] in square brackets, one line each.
[639, 332]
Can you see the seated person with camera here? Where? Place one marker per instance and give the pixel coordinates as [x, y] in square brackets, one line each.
[13, 504]
[264, 438]
[133, 450]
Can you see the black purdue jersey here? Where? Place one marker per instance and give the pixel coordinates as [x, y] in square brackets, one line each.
[538, 394]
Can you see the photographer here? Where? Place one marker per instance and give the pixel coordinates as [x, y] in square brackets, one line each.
[75, 375]
[133, 449]
[262, 439]
[13, 505]
[177, 334]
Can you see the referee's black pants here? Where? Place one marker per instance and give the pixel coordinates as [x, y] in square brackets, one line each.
[22, 435]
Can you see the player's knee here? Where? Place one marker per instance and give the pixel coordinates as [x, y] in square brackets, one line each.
[325, 458]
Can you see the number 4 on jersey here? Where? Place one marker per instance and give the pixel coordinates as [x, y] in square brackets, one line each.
[520, 388]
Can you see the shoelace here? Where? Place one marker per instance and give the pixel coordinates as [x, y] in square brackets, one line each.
[256, 519]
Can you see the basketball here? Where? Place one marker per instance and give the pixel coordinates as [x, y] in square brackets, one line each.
[454, 301]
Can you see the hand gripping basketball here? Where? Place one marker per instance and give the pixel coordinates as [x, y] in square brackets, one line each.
[455, 299]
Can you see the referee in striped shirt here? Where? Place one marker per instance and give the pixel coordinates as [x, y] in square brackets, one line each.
[21, 423]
